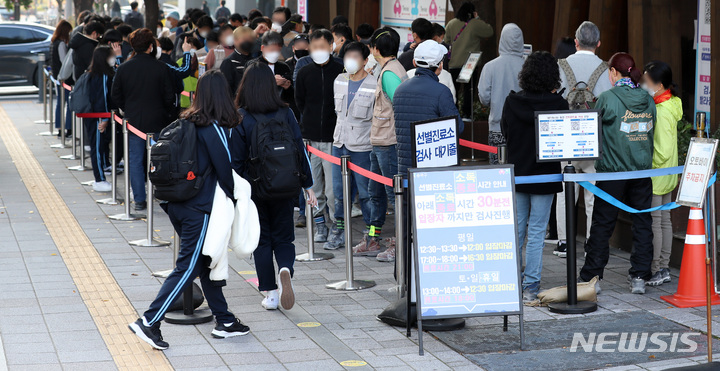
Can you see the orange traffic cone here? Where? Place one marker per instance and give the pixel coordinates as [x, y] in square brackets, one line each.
[692, 285]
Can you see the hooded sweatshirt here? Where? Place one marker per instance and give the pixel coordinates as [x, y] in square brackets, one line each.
[500, 75]
[628, 123]
[83, 47]
[665, 150]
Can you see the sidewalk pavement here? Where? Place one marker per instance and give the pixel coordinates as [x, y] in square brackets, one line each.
[45, 324]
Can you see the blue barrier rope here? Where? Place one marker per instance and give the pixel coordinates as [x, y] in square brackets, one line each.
[624, 175]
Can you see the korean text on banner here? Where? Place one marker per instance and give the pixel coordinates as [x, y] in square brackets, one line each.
[702, 73]
[436, 142]
[697, 172]
[401, 13]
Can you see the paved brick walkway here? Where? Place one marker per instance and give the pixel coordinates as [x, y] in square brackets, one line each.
[45, 323]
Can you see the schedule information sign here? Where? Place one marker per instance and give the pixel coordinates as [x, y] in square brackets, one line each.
[567, 135]
[466, 254]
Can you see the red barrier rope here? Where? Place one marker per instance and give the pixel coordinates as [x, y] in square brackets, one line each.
[357, 169]
[67, 87]
[131, 128]
[185, 93]
[101, 115]
[478, 146]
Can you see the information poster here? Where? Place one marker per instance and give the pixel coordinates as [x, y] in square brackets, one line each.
[401, 13]
[436, 142]
[702, 74]
[465, 242]
[697, 172]
[469, 67]
[569, 135]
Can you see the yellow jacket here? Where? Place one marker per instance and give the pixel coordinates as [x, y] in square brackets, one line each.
[665, 149]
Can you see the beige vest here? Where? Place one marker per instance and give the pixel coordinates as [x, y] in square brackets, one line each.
[382, 132]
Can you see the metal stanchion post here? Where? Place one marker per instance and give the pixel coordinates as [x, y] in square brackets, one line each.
[113, 200]
[149, 241]
[176, 251]
[189, 315]
[350, 282]
[311, 255]
[42, 77]
[62, 145]
[712, 231]
[81, 133]
[399, 235]
[126, 216]
[50, 111]
[502, 154]
[572, 306]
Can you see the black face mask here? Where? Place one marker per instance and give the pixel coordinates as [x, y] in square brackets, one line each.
[301, 53]
[246, 46]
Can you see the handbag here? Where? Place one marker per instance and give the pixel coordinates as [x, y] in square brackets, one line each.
[67, 68]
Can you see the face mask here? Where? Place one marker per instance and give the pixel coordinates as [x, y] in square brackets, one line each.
[247, 46]
[193, 51]
[159, 31]
[229, 40]
[320, 56]
[271, 57]
[301, 53]
[649, 89]
[277, 27]
[203, 34]
[334, 46]
[111, 61]
[158, 52]
[351, 65]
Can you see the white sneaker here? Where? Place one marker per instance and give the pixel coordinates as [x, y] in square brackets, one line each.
[271, 300]
[87, 149]
[287, 295]
[103, 186]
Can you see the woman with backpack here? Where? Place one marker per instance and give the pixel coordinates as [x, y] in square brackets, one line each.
[261, 108]
[213, 115]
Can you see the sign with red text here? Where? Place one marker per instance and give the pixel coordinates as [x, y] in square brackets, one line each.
[465, 242]
[401, 13]
[703, 68]
[697, 172]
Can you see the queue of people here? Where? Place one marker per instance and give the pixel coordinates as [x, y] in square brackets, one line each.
[260, 78]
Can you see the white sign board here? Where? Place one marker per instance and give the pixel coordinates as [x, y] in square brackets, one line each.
[401, 13]
[702, 70]
[435, 142]
[469, 67]
[697, 172]
[567, 135]
[527, 50]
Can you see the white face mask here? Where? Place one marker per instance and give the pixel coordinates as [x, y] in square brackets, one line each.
[111, 61]
[271, 57]
[649, 90]
[277, 27]
[320, 56]
[351, 65]
[334, 46]
[203, 34]
[229, 40]
[158, 53]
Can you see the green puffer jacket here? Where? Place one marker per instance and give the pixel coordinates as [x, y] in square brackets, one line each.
[628, 122]
[665, 154]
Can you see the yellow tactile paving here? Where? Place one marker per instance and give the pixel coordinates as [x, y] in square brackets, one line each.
[108, 305]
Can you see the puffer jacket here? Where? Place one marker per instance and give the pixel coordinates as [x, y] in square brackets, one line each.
[665, 149]
[420, 98]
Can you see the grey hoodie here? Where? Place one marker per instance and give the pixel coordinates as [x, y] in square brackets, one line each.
[500, 75]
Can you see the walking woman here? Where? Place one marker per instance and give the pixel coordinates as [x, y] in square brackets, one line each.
[101, 73]
[658, 82]
[60, 40]
[214, 116]
[628, 120]
[539, 80]
[259, 101]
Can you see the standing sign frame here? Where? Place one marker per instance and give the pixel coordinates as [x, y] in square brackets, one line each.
[540, 128]
[468, 68]
[416, 253]
[416, 126]
[698, 169]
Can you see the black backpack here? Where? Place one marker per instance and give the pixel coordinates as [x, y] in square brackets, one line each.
[80, 95]
[273, 164]
[173, 163]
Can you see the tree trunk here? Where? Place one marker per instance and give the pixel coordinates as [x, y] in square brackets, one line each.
[60, 9]
[151, 15]
[81, 5]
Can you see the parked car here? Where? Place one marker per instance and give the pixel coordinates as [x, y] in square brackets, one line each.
[20, 45]
[6, 15]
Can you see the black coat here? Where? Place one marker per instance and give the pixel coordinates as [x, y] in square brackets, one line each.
[83, 48]
[233, 68]
[518, 127]
[144, 89]
[316, 101]
[282, 69]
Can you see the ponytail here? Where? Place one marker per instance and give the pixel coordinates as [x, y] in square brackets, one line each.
[625, 65]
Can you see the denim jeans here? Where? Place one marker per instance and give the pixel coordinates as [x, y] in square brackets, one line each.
[383, 160]
[533, 213]
[136, 164]
[68, 117]
[361, 159]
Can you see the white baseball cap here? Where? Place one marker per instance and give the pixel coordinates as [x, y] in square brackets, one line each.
[429, 54]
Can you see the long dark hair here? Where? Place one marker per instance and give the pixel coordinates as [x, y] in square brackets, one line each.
[466, 12]
[660, 72]
[257, 92]
[62, 31]
[212, 102]
[625, 65]
[99, 65]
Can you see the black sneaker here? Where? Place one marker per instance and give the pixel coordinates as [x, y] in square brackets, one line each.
[300, 222]
[561, 249]
[140, 206]
[150, 335]
[236, 328]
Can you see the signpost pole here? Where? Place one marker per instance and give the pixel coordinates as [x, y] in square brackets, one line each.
[311, 255]
[572, 306]
[399, 235]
